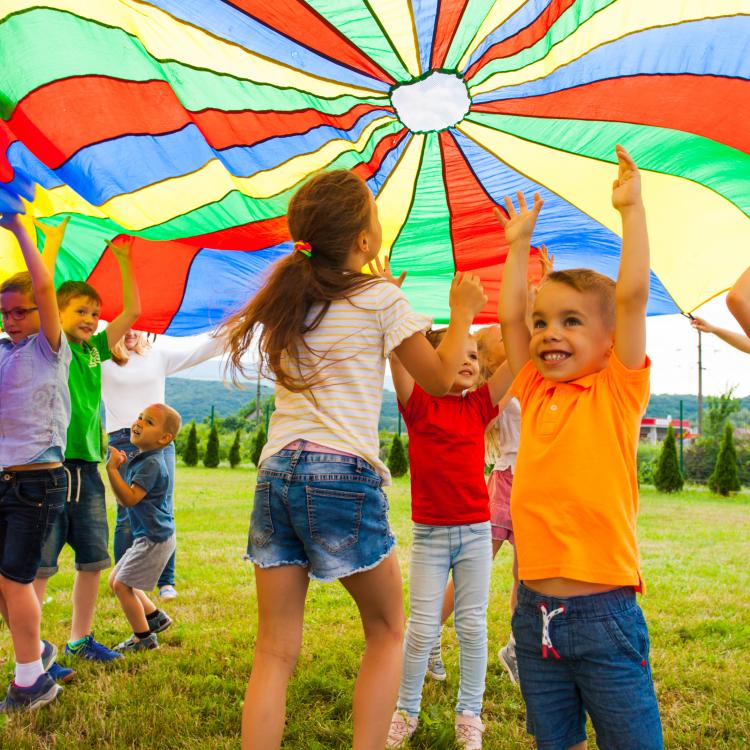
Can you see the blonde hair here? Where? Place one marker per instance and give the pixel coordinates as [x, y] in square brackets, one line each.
[120, 353]
[20, 283]
[487, 368]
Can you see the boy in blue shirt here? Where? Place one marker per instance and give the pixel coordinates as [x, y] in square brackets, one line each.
[34, 414]
[144, 491]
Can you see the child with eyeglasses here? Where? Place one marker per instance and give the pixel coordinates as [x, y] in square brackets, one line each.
[34, 416]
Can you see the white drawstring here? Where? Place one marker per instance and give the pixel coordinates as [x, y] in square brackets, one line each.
[78, 489]
[70, 479]
[546, 619]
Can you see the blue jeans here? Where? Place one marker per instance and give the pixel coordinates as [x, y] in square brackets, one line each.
[603, 670]
[30, 502]
[83, 523]
[467, 550]
[120, 439]
[323, 511]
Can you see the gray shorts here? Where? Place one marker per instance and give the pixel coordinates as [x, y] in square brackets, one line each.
[143, 562]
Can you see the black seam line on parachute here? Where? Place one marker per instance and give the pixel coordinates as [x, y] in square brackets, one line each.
[236, 190]
[446, 71]
[447, 199]
[520, 31]
[387, 38]
[595, 158]
[559, 41]
[398, 161]
[186, 281]
[319, 53]
[456, 28]
[411, 200]
[181, 22]
[407, 138]
[138, 43]
[598, 46]
[438, 10]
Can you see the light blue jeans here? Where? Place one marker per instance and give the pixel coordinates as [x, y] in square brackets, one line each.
[467, 550]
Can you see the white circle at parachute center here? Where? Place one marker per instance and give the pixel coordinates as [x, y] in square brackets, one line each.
[435, 102]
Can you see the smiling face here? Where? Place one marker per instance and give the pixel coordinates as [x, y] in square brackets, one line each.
[149, 431]
[468, 373]
[131, 339]
[79, 318]
[569, 336]
[18, 330]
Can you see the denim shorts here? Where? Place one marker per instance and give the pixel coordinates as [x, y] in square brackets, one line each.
[82, 524]
[324, 511]
[597, 663]
[29, 503]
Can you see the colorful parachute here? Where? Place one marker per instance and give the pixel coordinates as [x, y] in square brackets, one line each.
[189, 123]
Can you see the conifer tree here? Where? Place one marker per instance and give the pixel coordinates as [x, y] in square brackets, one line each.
[260, 440]
[667, 477]
[211, 459]
[725, 477]
[397, 462]
[234, 451]
[190, 456]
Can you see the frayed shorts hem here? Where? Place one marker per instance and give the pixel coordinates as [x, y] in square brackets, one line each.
[92, 567]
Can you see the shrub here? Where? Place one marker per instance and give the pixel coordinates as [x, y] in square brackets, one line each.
[725, 477]
[211, 459]
[667, 477]
[258, 442]
[234, 451]
[648, 456]
[397, 462]
[190, 456]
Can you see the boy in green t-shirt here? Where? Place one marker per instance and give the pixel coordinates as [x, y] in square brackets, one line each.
[84, 524]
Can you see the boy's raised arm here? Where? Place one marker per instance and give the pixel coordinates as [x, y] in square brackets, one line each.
[41, 280]
[738, 301]
[512, 311]
[131, 300]
[631, 291]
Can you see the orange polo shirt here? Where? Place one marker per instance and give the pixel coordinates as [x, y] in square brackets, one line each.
[575, 490]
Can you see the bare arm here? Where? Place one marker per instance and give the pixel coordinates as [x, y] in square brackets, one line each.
[499, 383]
[631, 291]
[131, 300]
[514, 293]
[127, 496]
[402, 381]
[41, 281]
[737, 340]
[738, 301]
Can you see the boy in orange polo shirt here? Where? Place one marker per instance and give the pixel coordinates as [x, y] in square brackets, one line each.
[582, 378]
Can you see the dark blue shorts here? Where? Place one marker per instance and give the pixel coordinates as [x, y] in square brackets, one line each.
[603, 670]
[82, 524]
[29, 503]
[324, 511]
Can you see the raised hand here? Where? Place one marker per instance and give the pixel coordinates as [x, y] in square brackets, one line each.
[11, 222]
[702, 325]
[467, 294]
[519, 225]
[626, 189]
[383, 269]
[547, 261]
[121, 246]
[116, 458]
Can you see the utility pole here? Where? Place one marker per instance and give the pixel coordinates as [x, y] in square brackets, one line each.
[700, 384]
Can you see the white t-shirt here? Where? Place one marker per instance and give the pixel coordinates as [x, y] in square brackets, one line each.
[508, 426]
[129, 388]
[346, 356]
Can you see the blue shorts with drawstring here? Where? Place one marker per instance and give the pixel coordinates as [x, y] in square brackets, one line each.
[597, 663]
[324, 511]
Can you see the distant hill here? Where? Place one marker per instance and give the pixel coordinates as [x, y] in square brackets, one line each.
[193, 399]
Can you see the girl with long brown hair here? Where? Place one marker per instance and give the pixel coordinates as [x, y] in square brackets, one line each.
[324, 331]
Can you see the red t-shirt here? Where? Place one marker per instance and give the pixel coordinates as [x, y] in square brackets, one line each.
[446, 455]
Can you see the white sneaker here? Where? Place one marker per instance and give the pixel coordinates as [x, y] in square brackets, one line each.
[507, 656]
[469, 729]
[402, 728]
[167, 592]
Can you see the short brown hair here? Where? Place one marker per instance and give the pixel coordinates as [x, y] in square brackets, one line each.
[172, 419]
[70, 289]
[19, 282]
[586, 281]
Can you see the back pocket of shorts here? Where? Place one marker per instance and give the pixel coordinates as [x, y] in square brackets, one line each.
[334, 517]
[261, 523]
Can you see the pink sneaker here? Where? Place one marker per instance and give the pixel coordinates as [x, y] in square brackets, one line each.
[402, 728]
[469, 729]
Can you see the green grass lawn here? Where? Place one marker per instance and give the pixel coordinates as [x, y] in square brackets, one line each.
[188, 694]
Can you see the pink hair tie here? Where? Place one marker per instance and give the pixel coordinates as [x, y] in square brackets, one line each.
[303, 247]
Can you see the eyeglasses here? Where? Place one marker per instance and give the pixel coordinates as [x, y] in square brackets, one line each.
[17, 313]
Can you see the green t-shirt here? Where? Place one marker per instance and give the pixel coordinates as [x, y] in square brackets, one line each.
[85, 384]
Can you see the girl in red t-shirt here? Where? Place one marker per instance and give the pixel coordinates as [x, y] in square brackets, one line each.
[452, 534]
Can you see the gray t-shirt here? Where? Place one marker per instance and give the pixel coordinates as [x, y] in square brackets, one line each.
[34, 400]
[151, 518]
